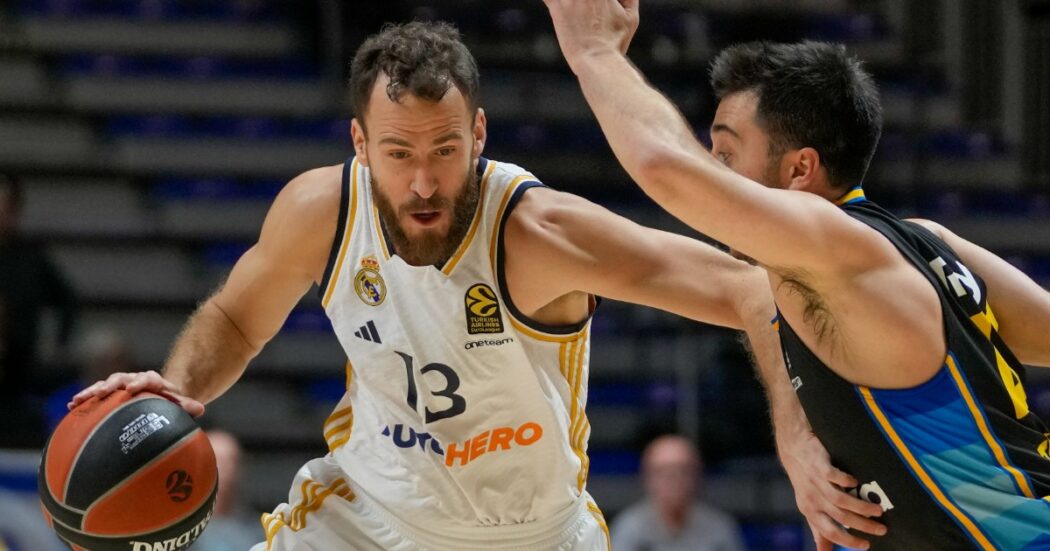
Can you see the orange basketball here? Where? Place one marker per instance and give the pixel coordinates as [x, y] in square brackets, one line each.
[129, 473]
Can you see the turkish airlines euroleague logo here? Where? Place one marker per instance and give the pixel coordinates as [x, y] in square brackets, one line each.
[483, 313]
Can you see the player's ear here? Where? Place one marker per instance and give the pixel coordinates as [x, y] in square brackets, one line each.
[357, 135]
[806, 169]
[480, 132]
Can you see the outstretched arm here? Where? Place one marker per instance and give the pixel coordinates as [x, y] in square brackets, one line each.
[231, 327]
[595, 251]
[1021, 306]
[779, 228]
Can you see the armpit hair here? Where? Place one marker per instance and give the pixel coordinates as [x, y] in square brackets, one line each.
[815, 313]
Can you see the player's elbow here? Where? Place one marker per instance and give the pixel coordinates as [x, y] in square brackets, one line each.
[658, 171]
[752, 300]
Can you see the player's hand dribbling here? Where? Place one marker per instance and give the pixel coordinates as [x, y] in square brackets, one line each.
[149, 381]
[819, 495]
[593, 26]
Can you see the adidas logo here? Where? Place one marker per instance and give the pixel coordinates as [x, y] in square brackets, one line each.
[368, 332]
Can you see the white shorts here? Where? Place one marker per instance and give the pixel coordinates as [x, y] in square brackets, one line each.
[324, 513]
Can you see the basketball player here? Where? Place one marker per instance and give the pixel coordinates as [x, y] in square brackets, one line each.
[461, 290]
[906, 374]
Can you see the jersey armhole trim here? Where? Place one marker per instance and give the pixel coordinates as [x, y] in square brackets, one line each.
[522, 322]
[343, 229]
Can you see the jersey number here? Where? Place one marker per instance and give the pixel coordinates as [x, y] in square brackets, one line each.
[459, 404]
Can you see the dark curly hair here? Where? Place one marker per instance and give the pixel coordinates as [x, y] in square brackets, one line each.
[425, 59]
[810, 94]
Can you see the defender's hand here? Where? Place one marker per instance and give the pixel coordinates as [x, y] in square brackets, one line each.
[586, 27]
[820, 496]
[149, 381]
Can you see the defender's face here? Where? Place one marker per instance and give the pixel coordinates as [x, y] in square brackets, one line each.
[422, 156]
[741, 144]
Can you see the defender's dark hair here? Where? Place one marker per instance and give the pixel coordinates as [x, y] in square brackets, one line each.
[810, 94]
[425, 59]
[13, 186]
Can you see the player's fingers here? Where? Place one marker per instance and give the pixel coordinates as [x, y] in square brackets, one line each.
[847, 502]
[839, 478]
[189, 405]
[150, 380]
[84, 395]
[833, 532]
[859, 523]
[113, 383]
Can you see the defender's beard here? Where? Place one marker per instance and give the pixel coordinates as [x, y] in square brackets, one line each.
[431, 246]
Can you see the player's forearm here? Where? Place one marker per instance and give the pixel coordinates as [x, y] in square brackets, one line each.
[209, 355]
[657, 147]
[788, 418]
[642, 126]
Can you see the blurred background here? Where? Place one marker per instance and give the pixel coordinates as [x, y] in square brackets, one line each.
[150, 137]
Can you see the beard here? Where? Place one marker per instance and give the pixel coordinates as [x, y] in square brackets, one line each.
[431, 247]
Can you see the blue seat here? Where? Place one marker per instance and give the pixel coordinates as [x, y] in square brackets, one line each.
[149, 126]
[614, 461]
[307, 320]
[774, 536]
[617, 394]
[154, 10]
[965, 144]
[846, 27]
[224, 254]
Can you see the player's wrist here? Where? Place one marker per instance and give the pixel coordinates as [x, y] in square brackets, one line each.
[595, 59]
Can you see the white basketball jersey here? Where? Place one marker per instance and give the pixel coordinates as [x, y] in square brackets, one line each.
[459, 413]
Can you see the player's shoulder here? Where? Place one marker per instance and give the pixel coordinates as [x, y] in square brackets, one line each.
[314, 192]
[318, 181]
[933, 227]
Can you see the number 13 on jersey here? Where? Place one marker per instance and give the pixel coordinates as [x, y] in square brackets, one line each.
[458, 402]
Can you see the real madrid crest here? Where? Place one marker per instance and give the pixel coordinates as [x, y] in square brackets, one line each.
[368, 284]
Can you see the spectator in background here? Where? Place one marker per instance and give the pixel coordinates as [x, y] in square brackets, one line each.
[29, 283]
[232, 526]
[670, 519]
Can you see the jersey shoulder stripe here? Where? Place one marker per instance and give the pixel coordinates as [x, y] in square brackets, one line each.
[347, 212]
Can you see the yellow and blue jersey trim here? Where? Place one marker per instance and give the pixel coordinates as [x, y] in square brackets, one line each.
[855, 195]
[965, 470]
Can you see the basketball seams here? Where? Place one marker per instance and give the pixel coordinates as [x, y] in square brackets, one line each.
[87, 438]
[131, 478]
[118, 542]
[47, 486]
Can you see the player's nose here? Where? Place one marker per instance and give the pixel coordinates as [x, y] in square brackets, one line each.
[424, 184]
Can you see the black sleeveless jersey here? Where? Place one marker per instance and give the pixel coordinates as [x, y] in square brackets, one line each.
[958, 462]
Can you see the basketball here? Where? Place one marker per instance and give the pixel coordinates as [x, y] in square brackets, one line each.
[128, 472]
